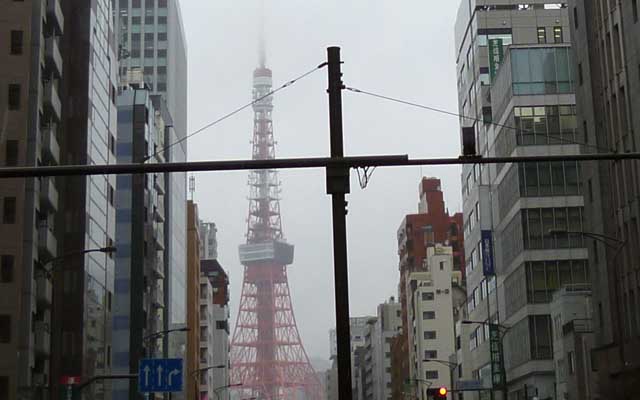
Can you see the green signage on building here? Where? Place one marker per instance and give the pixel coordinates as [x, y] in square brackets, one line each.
[496, 55]
[497, 362]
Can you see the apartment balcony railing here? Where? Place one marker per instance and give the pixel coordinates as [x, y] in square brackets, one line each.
[44, 291]
[50, 145]
[51, 101]
[49, 196]
[47, 243]
[55, 18]
[52, 56]
[42, 339]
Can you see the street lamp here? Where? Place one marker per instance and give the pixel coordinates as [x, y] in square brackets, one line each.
[162, 333]
[156, 335]
[52, 261]
[216, 390]
[196, 373]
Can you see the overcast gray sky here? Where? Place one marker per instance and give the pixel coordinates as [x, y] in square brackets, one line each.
[398, 48]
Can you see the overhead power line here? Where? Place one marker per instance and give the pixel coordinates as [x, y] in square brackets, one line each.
[237, 110]
[455, 114]
[398, 160]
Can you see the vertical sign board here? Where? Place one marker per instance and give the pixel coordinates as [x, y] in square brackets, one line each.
[488, 266]
[495, 347]
[496, 55]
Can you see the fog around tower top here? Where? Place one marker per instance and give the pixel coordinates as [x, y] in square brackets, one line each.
[225, 41]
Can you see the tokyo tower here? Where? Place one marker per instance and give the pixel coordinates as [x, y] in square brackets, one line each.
[268, 360]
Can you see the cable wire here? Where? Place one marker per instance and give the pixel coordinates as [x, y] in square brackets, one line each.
[422, 106]
[237, 110]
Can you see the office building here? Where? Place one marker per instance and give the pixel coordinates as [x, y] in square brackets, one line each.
[151, 38]
[138, 301]
[31, 75]
[431, 225]
[216, 348]
[606, 46]
[430, 299]
[516, 88]
[82, 347]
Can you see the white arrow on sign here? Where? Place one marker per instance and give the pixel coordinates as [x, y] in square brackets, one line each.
[159, 375]
[171, 374]
[146, 375]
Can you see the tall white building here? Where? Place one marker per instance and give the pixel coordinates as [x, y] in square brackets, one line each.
[430, 300]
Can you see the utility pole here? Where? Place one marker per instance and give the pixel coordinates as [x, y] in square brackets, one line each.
[338, 187]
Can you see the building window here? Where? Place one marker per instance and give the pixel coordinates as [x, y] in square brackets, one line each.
[557, 34]
[430, 354]
[16, 42]
[5, 328]
[11, 153]
[431, 374]
[9, 210]
[542, 35]
[429, 335]
[14, 96]
[6, 268]
[428, 315]
[427, 296]
[575, 17]
[634, 4]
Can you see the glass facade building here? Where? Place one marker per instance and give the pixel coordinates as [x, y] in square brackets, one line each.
[81, 337]
[516, 89]
[151, 39]
[140, 217]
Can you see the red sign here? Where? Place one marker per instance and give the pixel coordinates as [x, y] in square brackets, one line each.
[70, 380]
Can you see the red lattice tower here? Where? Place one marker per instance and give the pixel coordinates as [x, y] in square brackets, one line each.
[268, 360]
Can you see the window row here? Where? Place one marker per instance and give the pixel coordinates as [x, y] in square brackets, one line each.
[542, 228]
[480, 293]
[539, 125]
[529, 339]
[535, 282]
[138, 3]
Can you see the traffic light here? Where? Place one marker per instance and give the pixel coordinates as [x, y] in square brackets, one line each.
[437, 394]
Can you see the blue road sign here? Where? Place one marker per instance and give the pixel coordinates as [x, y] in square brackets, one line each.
[488, 267]
[160, 375]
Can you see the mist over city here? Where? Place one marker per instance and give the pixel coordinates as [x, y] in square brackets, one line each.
[319, 200]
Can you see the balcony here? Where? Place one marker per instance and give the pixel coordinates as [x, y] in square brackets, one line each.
[158, 210]
[55, 18]
[47, 243]
[48, 194]
[52, 56]
[158, 183]
[157, 296]
[42, 345]
[50, 145]
[51, 101]
[44, 291]
[158, 268]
